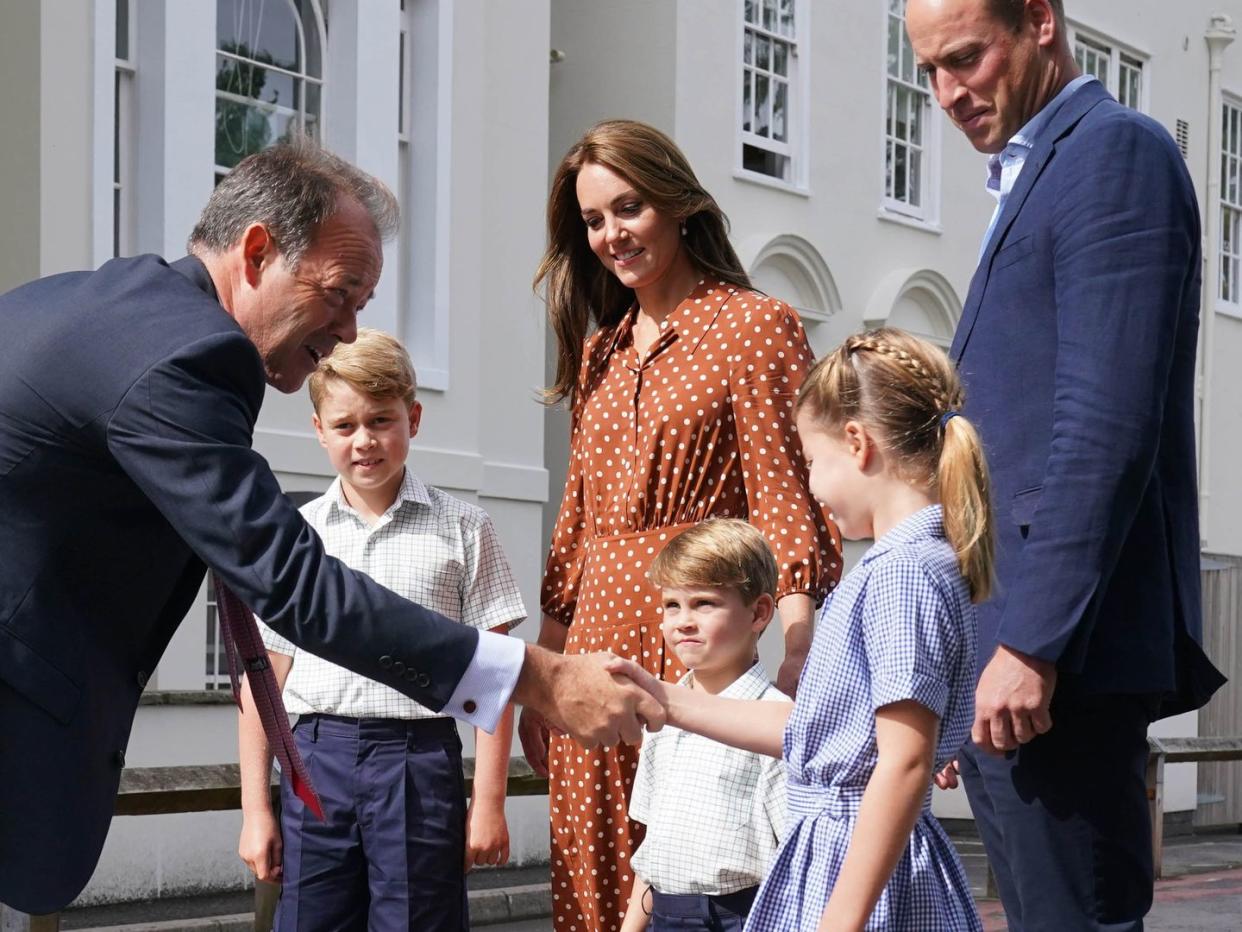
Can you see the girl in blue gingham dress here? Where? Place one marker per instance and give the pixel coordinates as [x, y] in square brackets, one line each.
[886, 697]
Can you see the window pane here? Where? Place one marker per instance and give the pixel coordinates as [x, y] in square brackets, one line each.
[907, 59]
[401, 88]
[894, 46]
[899, 172]
[746, 102]
[266, 31]
[890, 180]
[748, 50]
[763, 56]
[762, 105]
[242, 130]
[769, 15]
[778, 112]
[749, 12]
[901, 107]
[916, 168]
[122, 29]
[780, 58]
[787, 18]
[916, 119]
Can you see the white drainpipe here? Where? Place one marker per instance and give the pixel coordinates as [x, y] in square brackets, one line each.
[1220, 33]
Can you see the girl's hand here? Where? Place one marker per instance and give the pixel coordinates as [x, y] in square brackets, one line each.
[947, 779]
[487, 836]
[533, 732]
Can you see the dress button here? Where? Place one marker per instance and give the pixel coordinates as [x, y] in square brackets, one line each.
[469, 706]
[385, 662]
[422, 681]
[398, 667]
[142, 679]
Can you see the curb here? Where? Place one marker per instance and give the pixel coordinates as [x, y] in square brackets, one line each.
[487, 907]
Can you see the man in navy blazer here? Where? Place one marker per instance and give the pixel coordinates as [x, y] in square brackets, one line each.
[1077, 351]
[128, 398]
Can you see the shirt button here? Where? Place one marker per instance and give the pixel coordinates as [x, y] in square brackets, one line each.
[469, 706]
[422, 681]
[398, 667]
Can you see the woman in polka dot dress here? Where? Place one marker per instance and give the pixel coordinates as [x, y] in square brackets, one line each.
[682, 409]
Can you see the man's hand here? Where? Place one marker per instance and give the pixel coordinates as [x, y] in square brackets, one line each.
[1011, 701]
[533, 732]
[260, 846]
[577, 695]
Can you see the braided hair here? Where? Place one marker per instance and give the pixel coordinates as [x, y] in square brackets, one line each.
[907, 393]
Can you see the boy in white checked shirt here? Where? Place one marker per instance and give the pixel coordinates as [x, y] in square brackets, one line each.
[397, 839]
[713, 813]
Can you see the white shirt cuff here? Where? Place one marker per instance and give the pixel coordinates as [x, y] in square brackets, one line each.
[484, 689]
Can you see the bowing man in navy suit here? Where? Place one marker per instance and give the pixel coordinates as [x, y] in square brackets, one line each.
[128, 399]
[1077, 351]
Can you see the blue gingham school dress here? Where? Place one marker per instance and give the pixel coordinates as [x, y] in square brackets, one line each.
[900, 626]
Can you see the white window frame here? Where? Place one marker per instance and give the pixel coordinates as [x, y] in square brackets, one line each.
[1229, 246]
[124, 225]
[298, 115]
[794, 148]
[925, 215]
[425, 166]
[1116, 55]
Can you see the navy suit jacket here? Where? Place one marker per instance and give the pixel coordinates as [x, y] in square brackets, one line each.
[1077, 351]
[128, 399]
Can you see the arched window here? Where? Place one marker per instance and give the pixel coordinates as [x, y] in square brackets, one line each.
[920, 301]
[269, 75]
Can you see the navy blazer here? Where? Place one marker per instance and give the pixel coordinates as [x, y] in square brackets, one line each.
[1077, 351]
[128, 399]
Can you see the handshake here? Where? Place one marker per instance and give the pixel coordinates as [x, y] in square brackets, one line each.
[597, 699]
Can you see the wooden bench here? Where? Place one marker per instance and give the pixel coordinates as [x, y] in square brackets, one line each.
[1179, 751]
[216, 787]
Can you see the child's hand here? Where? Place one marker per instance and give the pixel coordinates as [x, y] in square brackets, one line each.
[260, 846]
[947, 778]
[487, 835]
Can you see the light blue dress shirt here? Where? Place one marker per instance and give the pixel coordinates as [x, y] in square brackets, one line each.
[1005, 166]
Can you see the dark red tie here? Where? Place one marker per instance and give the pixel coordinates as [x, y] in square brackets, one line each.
[243, 646]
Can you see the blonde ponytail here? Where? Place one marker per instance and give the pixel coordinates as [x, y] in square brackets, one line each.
[908, 392]
[966, 500]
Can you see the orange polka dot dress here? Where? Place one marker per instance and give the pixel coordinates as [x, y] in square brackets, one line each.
[703, 426]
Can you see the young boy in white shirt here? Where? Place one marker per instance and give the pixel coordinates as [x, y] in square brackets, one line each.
[398, 838]
[713, 813]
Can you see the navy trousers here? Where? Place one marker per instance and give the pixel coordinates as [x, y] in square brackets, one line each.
[390, 852]
[1064, 819]
[679, 912]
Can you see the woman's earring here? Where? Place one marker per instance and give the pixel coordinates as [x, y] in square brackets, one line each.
[683, 229]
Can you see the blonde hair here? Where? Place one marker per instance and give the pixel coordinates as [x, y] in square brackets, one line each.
[725, 553]
[907, 392]
[375, 364]
[578, 289]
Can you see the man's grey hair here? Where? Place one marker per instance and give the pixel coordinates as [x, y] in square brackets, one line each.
[290, 188]
[1010, 12]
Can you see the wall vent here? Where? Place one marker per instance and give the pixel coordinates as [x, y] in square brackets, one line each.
[1183, 137]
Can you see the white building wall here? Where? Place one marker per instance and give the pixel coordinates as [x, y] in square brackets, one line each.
[506, 120]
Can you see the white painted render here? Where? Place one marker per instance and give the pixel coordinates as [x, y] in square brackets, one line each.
[493, 118]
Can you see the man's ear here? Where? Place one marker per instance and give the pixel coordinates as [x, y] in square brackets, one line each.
[258, 252]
